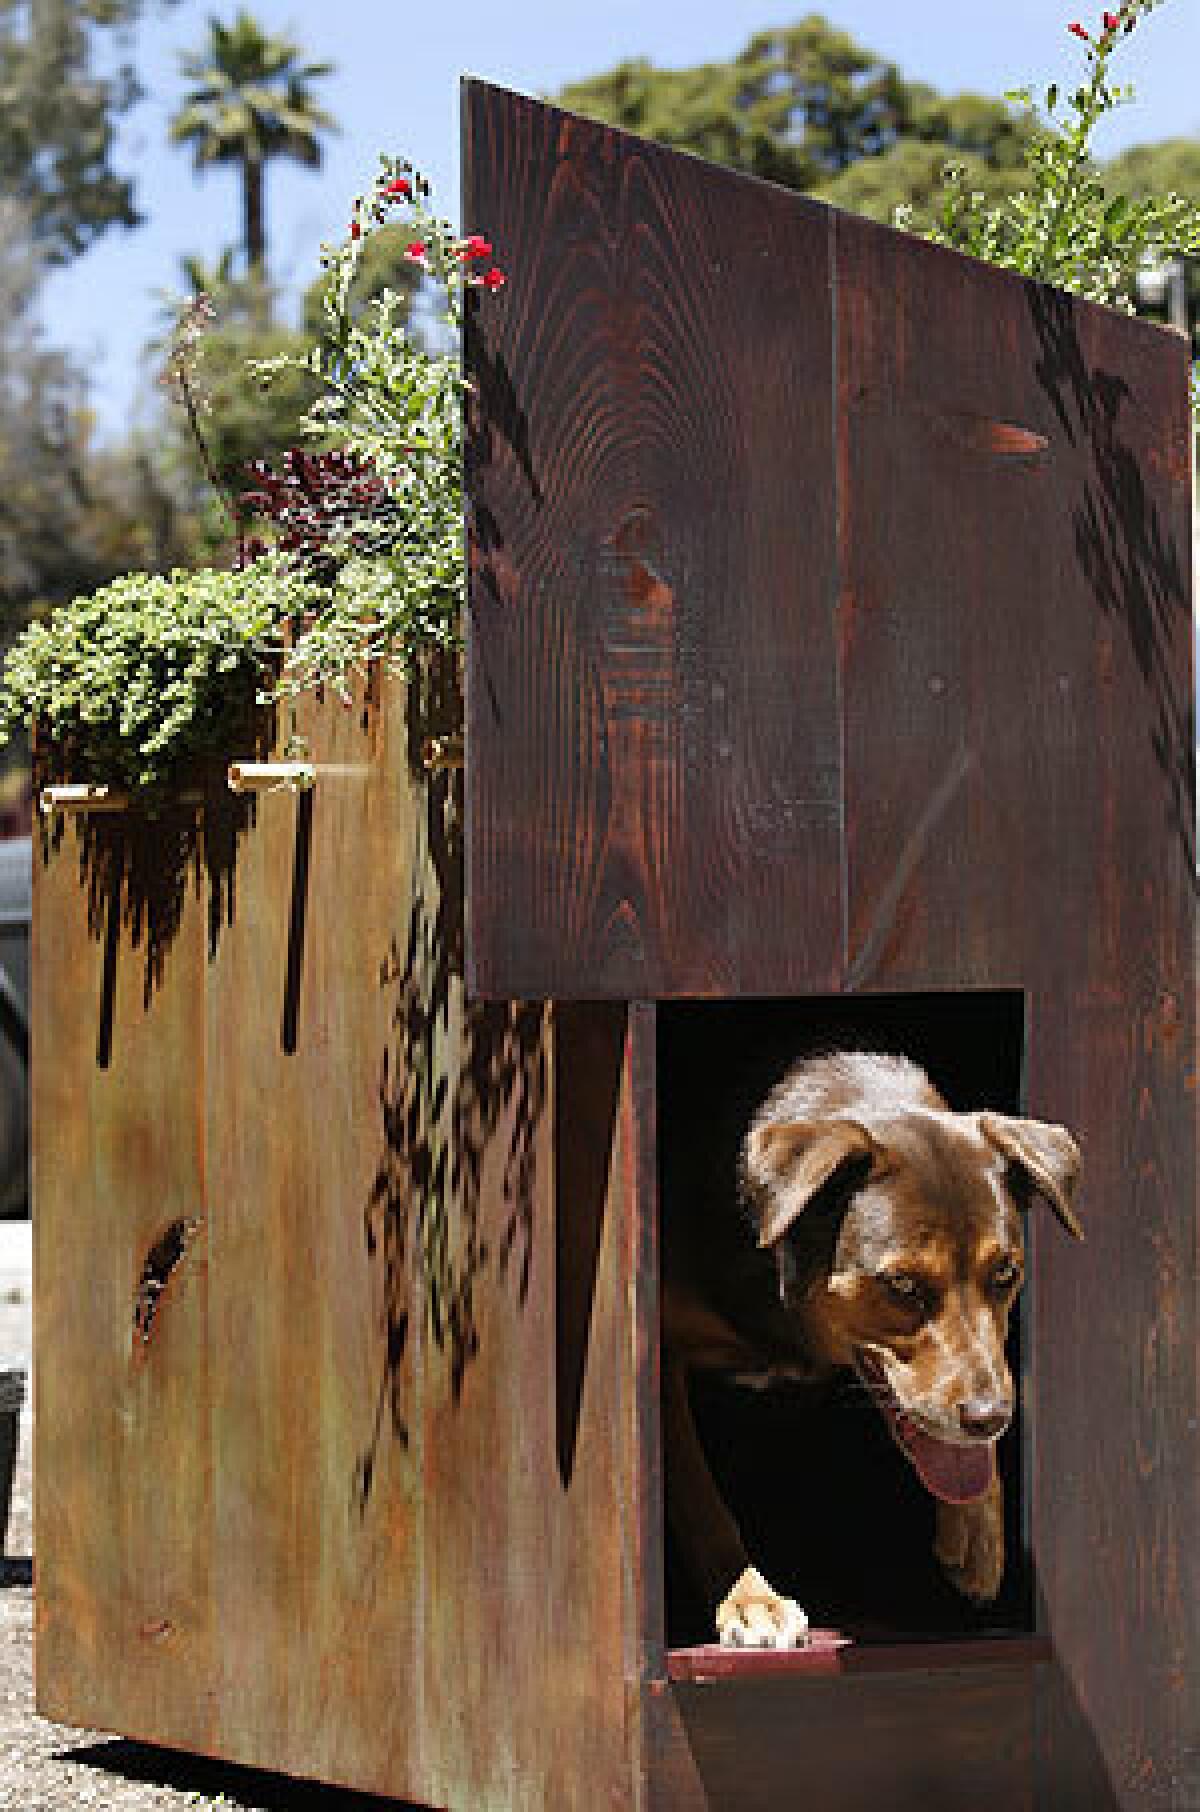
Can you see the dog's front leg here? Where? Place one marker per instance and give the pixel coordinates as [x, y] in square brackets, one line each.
[969, 1544]
[749, 1613]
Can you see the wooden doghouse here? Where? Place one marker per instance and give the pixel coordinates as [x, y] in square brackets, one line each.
[829, 669]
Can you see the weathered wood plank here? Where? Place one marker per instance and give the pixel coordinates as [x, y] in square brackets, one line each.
[654, 790]
[935, 1740]
[322, 1524]
[122, 1431]
[1016, 612]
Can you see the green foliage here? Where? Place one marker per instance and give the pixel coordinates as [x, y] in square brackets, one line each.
[383, 264]
[1171, 167]
[243, 420]
[127, 685]
[130, 683]
[808, 107]
[42, 435]
[60, 100]
[71, 515]
[250, 101]
[133, 681]
[1066, 225]
[396, 406]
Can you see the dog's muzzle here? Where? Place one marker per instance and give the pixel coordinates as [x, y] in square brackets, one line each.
[958, 1472]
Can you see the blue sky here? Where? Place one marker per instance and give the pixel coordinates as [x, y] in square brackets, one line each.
[396, 88]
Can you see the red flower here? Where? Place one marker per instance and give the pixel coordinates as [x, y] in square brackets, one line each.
[474, 247]
[494, 279]
[355, 230]
[1111, 21]
[416, 251]
[398, 190]
[1079, 31]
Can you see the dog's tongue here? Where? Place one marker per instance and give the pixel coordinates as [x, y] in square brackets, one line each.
[955, 1474]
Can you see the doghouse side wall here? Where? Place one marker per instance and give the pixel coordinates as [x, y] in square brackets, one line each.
[351, 1501]
[1020, 752]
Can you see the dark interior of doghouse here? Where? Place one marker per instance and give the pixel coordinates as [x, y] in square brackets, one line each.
[831, 1511]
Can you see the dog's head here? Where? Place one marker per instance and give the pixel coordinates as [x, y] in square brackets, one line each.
[921, 1259]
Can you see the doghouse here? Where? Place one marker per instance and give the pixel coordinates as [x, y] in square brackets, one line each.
[829, 671]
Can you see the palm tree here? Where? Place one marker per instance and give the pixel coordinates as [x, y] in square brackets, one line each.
[250, 100]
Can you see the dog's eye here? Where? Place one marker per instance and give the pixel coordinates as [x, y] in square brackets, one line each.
[903, 1288]
[1004, 1276]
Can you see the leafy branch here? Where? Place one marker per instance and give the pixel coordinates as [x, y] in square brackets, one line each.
[394, 408]
[1063, 227]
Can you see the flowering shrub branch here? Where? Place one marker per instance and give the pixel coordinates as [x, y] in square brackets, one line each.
[394, 562]
[178, 378]
[1064, 228]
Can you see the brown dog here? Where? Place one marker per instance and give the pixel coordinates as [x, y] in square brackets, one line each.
[885, 1235]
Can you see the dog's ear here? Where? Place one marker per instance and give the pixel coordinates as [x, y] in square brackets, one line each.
[1047, 1154]
[787, 1161]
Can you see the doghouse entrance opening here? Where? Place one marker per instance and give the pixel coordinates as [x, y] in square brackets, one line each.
[831, 1511]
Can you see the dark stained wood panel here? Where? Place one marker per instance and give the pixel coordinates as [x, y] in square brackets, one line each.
[939, 1741]
[1015, 557]
[653, 788]
[1017, 680]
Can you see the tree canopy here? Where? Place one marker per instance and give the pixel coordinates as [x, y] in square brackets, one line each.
[59, 110]
[1173, 164]
[807, 106]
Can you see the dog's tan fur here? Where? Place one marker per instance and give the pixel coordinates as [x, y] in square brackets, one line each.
[914, 1292]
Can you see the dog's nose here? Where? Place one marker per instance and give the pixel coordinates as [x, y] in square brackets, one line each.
[984, 1417]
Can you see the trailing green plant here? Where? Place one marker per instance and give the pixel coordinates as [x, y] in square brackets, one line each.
[129, 684]
[393, 407]
[1063, 226]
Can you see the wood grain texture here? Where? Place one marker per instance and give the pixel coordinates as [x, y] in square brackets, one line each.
[320, 1524]
[1013, 625]
[654, 790]
[1016, 616]
[122, 1430]
[940, 1741]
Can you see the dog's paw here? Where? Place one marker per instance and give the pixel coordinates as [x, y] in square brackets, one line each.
[970, 1545]
[754, 1616]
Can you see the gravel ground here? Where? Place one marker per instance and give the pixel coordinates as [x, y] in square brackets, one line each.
[47, 1768]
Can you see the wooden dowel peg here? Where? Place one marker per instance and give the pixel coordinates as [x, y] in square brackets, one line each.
[271, 776]
[81, 796]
